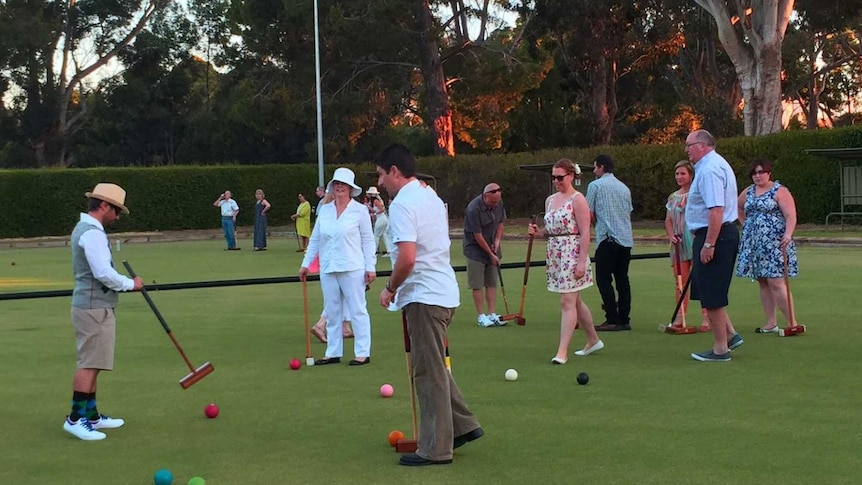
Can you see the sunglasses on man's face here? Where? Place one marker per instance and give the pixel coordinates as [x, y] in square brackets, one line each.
[494, 191]
[559, 178]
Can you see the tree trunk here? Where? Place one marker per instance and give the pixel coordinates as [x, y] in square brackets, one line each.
[753, 43]
[598, 89]
[439, 112]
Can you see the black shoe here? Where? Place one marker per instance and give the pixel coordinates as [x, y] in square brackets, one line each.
[412, 459]
[465, 438]
[360, 362]
[624, 327]
[328, 360]
[607, 327]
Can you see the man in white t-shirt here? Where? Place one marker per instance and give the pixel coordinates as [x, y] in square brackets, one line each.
[424, 288]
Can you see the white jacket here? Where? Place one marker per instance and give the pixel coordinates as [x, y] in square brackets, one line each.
[345, 243]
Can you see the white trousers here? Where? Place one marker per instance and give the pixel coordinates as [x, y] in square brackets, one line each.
[380, 226]
[344, 299]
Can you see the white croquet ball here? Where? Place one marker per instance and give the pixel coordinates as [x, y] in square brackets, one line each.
[511, 375]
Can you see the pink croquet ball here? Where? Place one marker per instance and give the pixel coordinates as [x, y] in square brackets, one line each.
[295, 364]
[386, 390]
[211, 411]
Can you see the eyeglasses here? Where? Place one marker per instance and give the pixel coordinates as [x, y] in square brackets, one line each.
[494, 191]
[758, 172]
[559, 178]
[689, 145]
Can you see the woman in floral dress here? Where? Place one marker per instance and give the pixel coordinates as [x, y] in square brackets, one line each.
[567, 217]
[768, 214]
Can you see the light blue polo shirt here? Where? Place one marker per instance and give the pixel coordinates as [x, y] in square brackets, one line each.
[714, 185]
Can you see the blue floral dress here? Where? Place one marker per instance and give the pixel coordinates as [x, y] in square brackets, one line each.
[760, 244]
[564, 246]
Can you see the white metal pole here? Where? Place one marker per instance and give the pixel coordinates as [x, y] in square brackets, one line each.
[319, 110]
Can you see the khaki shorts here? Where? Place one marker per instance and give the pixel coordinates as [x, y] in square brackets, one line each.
[481, 275]
[95, 332]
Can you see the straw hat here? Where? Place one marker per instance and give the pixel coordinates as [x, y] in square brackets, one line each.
[372, 191]
[346, 176]
[110, 193]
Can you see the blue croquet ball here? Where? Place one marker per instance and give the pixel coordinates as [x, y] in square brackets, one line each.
[197, 481]
[583, 378]
[163, 477]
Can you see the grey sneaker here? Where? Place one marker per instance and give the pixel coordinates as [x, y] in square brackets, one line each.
[496, 319]
[735, 341]
[710, 356]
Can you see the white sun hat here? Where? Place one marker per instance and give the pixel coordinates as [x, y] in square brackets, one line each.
[345, 175]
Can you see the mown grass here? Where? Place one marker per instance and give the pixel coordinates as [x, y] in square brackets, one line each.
[783, 411]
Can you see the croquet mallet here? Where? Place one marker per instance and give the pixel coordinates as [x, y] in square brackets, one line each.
[196, 374]
[309, 359]
[519, 317]
[409, 445]
[669, 328]
[682, 292]
[792, 327]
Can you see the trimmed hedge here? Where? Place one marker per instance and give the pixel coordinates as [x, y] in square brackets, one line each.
[47, 202]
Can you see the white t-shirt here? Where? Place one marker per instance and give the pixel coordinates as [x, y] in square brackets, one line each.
[418, 215]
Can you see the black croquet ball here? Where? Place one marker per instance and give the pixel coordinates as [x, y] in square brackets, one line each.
[583, 378]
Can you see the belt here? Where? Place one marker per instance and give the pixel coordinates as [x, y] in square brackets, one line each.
[723, 224]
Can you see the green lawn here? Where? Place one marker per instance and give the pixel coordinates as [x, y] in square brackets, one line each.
[783, 411]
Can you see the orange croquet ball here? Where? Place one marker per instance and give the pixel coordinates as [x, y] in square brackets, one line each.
[395, 436]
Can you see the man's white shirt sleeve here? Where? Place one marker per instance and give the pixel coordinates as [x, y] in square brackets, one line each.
[95, 244]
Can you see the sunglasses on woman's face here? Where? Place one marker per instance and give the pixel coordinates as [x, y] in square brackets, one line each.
[559, 178]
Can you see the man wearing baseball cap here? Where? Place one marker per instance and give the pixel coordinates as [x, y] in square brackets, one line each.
[93, 300]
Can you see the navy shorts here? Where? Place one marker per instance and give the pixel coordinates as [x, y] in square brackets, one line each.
[710, 282]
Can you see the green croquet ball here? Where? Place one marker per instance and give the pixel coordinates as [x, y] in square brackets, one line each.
[583, 378]
[163, 477]
[197, 481]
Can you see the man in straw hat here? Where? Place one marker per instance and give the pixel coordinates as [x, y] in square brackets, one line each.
[93, 302]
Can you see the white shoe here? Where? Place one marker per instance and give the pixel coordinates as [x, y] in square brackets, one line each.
[83, 429]
[107, 422]
[484, 321]
[496, 319]
[597, 346]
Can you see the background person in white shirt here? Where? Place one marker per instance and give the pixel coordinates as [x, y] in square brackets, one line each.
[344, 240]
[427, 291]
[229, 210]
[93, 302]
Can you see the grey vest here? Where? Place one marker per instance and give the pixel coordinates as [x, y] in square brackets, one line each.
[89, 292]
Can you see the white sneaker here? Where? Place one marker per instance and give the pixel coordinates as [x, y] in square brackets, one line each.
[484, 321]
[496, 319]
[83, 429]
[107, 422]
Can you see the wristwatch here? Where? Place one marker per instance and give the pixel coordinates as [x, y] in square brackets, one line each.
[707, 245]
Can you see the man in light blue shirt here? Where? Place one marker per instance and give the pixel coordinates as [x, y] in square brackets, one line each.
[610, 204]
[229, 209]
[711, 214]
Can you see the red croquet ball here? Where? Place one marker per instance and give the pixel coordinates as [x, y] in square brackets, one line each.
[394, 436]
[295, 364]
[211, 411]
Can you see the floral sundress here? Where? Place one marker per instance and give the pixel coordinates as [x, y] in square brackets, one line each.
[676, 208]
[564, 248]
[760, 243]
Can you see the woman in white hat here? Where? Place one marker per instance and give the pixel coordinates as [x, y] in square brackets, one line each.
[381, 221]
[343, 238]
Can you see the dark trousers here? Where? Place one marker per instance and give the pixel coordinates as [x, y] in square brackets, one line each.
[612, 265]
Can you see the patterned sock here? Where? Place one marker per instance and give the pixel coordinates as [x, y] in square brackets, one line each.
[92, 412]
[79, 405]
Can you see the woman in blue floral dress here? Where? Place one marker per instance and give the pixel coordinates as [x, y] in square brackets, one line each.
[768, 214]
[567, 228]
